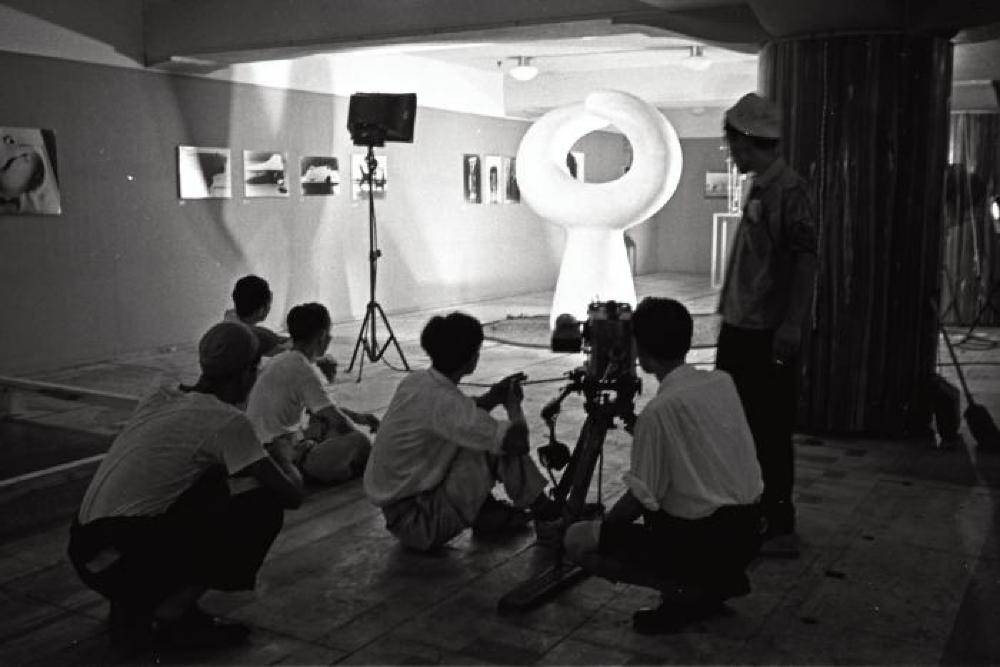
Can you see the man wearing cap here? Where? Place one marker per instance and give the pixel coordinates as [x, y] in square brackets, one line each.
[158, 526]
[765, 300]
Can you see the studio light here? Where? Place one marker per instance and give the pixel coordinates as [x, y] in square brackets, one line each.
[696, 59]
[524, 70]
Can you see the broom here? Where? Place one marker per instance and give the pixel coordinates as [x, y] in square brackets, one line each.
[977, 417]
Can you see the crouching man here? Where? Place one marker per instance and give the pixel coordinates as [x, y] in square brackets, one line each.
[158, 526]
[438, 453]
[693, 479]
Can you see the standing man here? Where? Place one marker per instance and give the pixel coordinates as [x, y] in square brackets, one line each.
[765, 300]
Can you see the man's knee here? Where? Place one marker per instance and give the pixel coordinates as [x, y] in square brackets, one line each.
[582, 538]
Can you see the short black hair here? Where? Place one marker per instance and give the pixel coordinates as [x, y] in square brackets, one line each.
[451, 341]
[306, 320]
[250, 294]
[662, 328]
[760, 143]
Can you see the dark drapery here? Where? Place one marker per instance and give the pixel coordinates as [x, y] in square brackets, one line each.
[866, 121]
[971, 252]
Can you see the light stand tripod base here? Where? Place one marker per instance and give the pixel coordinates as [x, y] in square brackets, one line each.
[367, 340]
[541, 587]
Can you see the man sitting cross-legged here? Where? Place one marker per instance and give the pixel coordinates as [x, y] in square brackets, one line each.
[330, 449]
[438, 452]
[158, 526]
[693, 478]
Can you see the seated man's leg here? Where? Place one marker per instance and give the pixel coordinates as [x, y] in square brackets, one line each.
[631, 553]
[521, 478]
[338, 458]
[432, 518]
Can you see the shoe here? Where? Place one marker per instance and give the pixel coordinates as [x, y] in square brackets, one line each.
[780, 545]
[197, 629]
[497, 517]
[672, 617]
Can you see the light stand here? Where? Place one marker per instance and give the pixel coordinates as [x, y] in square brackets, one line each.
[367, 341]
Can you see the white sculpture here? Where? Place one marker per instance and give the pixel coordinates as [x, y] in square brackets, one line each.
[595, 215]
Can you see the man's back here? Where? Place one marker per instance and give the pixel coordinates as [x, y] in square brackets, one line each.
[171, 439]
[693, 451]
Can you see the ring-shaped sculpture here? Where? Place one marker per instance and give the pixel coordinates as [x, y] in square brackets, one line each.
[595, 215]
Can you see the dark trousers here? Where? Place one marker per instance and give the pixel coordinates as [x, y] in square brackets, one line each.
[709, 555]
[769, 396]
[207, 538]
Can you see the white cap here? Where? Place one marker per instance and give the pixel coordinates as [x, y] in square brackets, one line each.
[755, 116]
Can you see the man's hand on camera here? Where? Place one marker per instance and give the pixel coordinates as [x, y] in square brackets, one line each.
[497, 393]
[514, 391]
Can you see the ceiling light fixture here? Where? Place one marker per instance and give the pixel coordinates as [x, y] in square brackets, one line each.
[524, 70]
[696, 59]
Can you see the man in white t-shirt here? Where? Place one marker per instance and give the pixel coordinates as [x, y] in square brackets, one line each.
[158, 526]
[693, 478]
[438, 453]
[290, 389]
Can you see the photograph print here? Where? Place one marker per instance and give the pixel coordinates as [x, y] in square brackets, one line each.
[472, 179]
[716, 184]
[203, 173]
[29, 182]
[359, 177]
[264, 174]
[512, 194]
[319, 175]
[493, 168]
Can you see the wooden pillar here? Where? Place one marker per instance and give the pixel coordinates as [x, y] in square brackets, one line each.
[866, 122]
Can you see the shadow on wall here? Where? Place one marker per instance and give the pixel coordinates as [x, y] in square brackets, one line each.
[123, 33]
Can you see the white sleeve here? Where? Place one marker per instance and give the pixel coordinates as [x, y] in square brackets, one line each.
[239, 444]
[310, 388]
[645, 477]
[458, 419]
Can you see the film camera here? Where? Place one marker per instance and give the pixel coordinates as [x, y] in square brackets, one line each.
[608, 382]
[606, 338]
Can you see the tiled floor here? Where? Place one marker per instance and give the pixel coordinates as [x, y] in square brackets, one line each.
[901, 560]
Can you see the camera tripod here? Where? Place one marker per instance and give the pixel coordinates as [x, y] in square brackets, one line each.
[571, 491]
[367, 341]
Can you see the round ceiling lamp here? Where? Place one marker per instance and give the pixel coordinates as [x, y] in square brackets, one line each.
[696, 59]
[523, 70]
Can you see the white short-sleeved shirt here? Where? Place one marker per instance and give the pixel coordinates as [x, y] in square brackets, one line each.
[287, 386]
[427, 421]
[692, 449]
[169, 441]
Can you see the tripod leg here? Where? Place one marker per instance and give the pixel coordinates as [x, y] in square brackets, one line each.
[361, 343]
[562, 574]
[392, 338]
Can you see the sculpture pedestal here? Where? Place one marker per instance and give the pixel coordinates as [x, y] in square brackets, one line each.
[594, 267]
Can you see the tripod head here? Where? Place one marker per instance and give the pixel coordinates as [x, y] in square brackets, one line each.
[607, 379]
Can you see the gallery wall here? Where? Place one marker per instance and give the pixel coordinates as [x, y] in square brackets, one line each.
[129, 266]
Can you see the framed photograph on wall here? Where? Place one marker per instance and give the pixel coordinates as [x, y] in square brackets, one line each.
[472, 179]
[493, 169]
[319, 175]
[264, 174]
[575, 163]
[29, 182]
[716, 184]
[512, 193]
[203, 173]
[359, 170]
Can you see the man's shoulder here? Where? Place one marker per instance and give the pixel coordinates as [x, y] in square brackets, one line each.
[690, 382]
